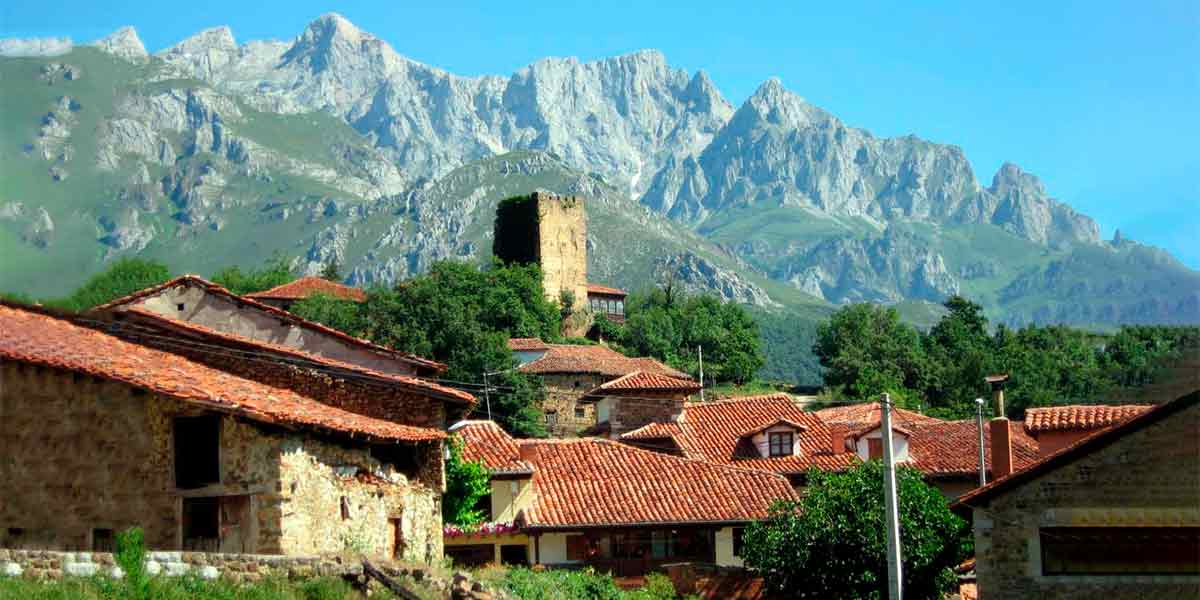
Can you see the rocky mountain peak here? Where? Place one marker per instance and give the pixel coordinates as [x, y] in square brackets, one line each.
[773, 103]
[705, 96]
[1011, 177]
[123, 43]
[213, 38]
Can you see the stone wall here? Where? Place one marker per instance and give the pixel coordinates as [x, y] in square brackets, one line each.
[49, 564]
[1149, 478]
[85, 456]
[563, 392]
[628, 413]
[224, 314]
[357, 395]
[562, 246]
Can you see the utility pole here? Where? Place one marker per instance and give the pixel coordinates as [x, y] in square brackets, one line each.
[982, 460]
[700, 349]
[486, 396]
[890, 503]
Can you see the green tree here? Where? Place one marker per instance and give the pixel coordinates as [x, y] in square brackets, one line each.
[673, 328]
[467, 483]
[832, 543]
[274, 272]
[959, 353]
[463, 316]
[866, 350]
[123, 277]
[331, 271]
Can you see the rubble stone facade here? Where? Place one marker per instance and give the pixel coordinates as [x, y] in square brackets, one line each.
[87, 457]
[565, 414]
[562, 246]
[1146, 478]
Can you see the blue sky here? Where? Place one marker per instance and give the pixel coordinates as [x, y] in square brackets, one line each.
[1100, 99]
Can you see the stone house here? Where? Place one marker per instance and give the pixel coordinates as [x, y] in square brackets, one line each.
[284, 296]
[1056, 427]
[637, 399]
[196, 300]
[607, 301]
[569, 372]
[1115, 515]
[102, 434]
[595, 502]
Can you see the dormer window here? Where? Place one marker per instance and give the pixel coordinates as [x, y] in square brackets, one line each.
[780, 443]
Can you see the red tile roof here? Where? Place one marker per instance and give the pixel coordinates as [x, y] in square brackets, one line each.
[951, 448]
[715, 431]
[601, 290]
[600, 360]
[308, 286]
[36, 338]
[1096, 441]
[641, 381]
[1079, 417]
[856, 416]
[487, 443]
[413, 383]
[194, 280]
[601, 483]
[528, 344]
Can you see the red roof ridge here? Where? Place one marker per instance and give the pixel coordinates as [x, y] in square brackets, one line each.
[779, 421]
[1079, 416]
[41, 338]
[220, 290]
[306, 286]
[600, 440]
[408, 380]
[1097, 440]
[603, 289]
[645, 380]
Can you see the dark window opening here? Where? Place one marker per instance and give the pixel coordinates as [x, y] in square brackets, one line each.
[402, 457]
[514, 554]
[397, 524]
[579, 413]
[874, 448]
[201, 524]
[345, 508]
[551, 418]
[738, 534]
[103, 540]
[179, 307]
[16, 532]
[780, 443]
[197, 451]
[1120, 550]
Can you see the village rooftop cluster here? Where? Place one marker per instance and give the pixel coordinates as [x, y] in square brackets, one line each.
[222, 423]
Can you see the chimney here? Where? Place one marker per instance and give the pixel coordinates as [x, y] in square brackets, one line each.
[837, 438]
[1002, 462]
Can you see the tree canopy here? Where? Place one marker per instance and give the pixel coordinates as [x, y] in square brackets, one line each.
[463, 316]
[274, 272]
[832, 544]
[672, 327]
[466, 484]
[866, 350]
[121, 278]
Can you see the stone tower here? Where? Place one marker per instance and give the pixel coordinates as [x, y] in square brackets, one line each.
[550, 230]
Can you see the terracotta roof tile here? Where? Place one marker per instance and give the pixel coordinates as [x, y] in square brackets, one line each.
[1079, 417]
[414, 383]
[594, 288]
[715, 431]
[36, 338]
[600, 483]
[282, 314]
[951, 448]
[307, 286]
[485, 442]
[601, 360]
[641, 381]
[518, 344]
[856, 416]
